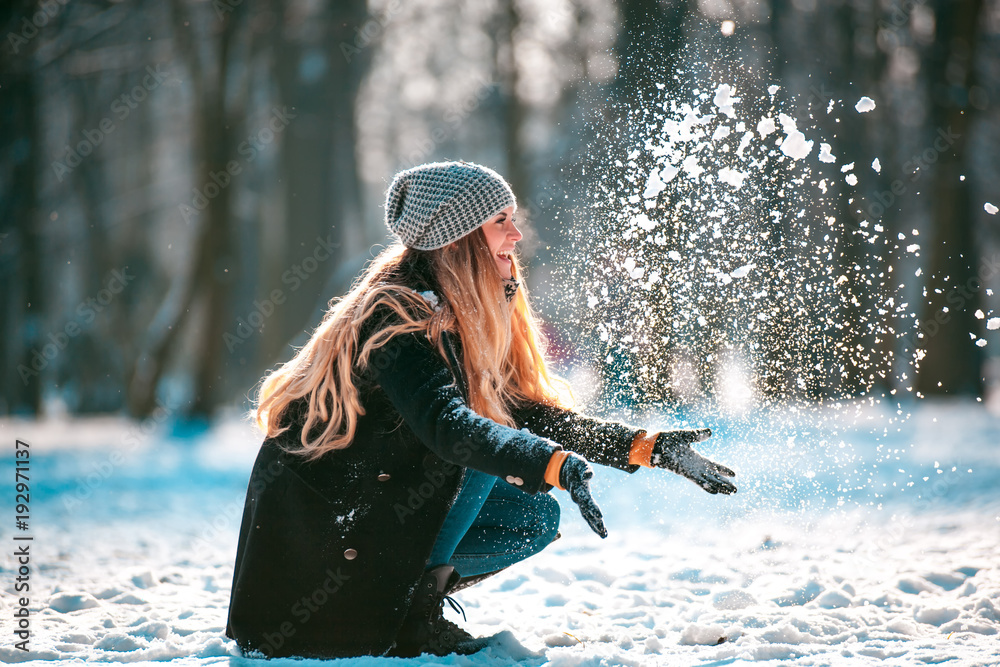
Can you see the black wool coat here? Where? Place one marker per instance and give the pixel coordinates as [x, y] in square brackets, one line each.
[330, 552]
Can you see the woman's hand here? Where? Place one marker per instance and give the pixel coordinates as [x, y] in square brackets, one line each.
[673, 452]
[574, 477]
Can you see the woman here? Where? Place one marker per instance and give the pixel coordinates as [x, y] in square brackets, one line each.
[411, 443]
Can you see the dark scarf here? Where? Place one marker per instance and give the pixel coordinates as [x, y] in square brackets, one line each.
[510, 288]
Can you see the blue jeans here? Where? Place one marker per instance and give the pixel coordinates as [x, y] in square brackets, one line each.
[493, 525]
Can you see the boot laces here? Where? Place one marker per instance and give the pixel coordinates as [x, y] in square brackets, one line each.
[456, 606]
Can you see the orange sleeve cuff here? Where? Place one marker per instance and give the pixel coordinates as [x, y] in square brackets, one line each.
[642, 449]
[555, 467]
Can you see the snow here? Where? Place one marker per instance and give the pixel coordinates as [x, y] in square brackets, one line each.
[732, 177]
[634, 272]
[744, 142]
[848, 565]
[765, 127]
[654, 185]
[993, 323]
[67, 602]
[643, 221]
[431, 298]
[702, 634]
[877, 166]
[825, 155]
[691, 166]
[990, 208]
[794, 144]
[725, 100]
[864, 105]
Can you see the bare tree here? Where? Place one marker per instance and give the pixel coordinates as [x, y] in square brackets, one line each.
[320, 63]
[212, 269]
[952, 363]
[22, 301]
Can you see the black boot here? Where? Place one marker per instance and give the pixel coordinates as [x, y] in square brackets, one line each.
[465, 582]
[425, 630]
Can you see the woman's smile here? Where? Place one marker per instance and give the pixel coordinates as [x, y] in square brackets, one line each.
[501, 236]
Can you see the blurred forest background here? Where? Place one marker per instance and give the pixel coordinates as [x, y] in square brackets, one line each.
[185, 184]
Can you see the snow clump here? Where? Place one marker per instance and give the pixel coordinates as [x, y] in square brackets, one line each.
[865, 104]
[795, 145]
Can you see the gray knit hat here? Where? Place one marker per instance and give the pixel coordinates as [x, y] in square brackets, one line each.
[434, 204]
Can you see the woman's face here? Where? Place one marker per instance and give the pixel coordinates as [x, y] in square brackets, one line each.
[501, 235]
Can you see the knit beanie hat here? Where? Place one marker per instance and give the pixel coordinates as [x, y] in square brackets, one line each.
[434, 204]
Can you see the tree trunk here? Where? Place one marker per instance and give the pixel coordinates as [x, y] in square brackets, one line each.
[22, 301]
[322, 185]
[516, 171]
[952, 363]
[217, 271]
[89, 366]
[213, 270]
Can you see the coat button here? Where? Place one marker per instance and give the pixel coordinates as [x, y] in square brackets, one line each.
[351, 554]
[384, 477]
[517, 481]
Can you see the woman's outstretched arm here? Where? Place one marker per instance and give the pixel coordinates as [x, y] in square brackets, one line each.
[627, 448]
[602, 442]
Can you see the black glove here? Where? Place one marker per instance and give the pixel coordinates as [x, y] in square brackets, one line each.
[574, 476]
[673, 452]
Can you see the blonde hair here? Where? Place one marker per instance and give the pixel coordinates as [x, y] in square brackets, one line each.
[502, 352]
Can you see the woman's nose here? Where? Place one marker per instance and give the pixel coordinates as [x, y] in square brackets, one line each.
[515, 233]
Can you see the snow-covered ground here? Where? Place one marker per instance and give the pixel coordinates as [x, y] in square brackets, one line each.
[845, 545]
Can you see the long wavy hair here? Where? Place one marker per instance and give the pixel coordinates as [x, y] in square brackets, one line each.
[502, 350]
